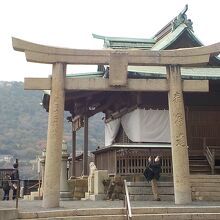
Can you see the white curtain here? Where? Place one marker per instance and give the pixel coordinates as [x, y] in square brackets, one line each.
[141, 125]
[111, 130]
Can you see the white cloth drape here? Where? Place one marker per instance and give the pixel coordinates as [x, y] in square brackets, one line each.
[141, 125]
[111, 130]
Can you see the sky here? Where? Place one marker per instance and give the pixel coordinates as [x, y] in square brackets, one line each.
[70, 24]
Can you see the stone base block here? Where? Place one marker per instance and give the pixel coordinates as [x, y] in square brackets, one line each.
[36, 196]
[66, 196]
[27, 197]
[94, 197]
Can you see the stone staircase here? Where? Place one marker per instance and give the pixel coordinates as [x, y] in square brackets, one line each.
[205, 187]
[199, 165]
[141, 213]
[140, 191]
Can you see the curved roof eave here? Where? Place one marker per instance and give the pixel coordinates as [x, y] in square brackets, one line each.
[170, 38]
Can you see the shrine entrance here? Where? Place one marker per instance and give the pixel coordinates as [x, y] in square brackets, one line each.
[118, 61]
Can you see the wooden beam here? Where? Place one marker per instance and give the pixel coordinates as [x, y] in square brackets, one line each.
[47, 54]
[100, 84]
[120, 113]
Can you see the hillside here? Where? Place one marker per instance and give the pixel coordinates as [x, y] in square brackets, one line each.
[23, 127]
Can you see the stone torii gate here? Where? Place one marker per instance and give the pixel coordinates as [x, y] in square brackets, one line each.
[118, 60]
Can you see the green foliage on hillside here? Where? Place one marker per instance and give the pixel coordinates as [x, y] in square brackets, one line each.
[23, 126]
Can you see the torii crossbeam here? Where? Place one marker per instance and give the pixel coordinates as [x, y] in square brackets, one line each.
[118, 61]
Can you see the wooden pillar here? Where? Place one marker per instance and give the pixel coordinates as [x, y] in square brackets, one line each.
[85, 149]
[51, 195]
[180, 159]
[73, 173]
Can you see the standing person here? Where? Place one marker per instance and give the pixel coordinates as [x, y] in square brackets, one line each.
[148, 173]
[156, 167]
[15, 180]
[6, 186]
[152, 174]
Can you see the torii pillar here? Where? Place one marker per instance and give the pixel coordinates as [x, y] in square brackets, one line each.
[51, 195]
[180, 159]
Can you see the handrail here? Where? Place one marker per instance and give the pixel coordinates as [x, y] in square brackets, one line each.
[34, 185]
[127, 202]
[210, 156]
[16, 185]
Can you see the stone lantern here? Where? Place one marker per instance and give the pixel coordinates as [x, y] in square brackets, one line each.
[64, 191]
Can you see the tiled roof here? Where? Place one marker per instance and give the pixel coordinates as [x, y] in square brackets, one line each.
[186, 72]
[125, 43]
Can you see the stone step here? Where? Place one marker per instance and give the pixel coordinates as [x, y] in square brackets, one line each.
[201, 184]
[197, 157]
[205, 180]
[199, 176]
[207, 193]
[208, 179]
[199, 165]
[153, 213]
[171, 216]
[178, 216]
[200, 169]
[206, 198]
[206, 189]
[175, 209]
[70, 212]
[150, 197]
[203, 171]
[142, 191]
[145, 183]
[148, 190]
[205, 162]
[94, 217]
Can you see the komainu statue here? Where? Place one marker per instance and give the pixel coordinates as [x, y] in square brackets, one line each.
[92, 169]
[114, 188]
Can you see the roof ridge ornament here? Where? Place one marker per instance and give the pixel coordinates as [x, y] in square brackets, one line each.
[182, 19]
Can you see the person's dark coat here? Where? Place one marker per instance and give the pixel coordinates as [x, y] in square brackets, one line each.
[152, 171]
[15, 175]
[6, 184]
[156, 167]
[148, 172]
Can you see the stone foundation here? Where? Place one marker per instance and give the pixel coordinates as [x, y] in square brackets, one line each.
[78, 187]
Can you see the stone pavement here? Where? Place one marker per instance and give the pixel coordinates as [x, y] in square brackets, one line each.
[35, 205]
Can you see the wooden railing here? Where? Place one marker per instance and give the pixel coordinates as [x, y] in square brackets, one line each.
[212, 153]
[135, 163]
[210, 156]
